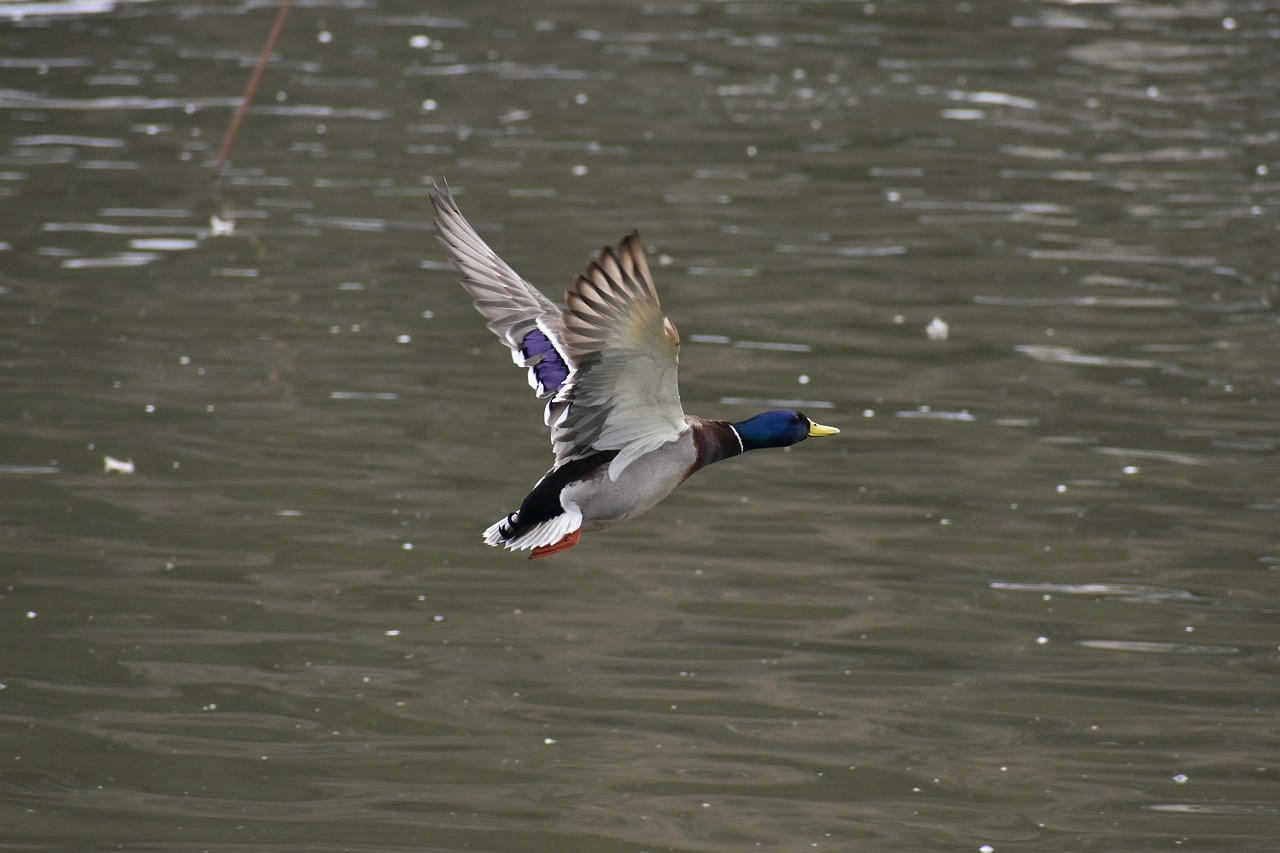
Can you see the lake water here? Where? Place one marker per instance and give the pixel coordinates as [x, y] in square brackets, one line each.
[1029, 599]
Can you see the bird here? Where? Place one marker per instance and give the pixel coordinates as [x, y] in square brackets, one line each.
[606, 364]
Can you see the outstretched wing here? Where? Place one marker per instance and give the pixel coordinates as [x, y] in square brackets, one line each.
[623, 393]
[607, 360]
[530, 324]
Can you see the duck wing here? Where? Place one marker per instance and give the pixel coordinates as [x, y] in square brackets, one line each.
[530, 324]
[623, 393]
[607, 360]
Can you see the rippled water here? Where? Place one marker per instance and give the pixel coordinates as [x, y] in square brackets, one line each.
[1022, 253]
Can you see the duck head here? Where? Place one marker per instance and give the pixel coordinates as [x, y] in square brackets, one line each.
[779, 428]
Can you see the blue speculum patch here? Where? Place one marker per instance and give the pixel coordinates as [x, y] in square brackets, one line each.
[540, 354]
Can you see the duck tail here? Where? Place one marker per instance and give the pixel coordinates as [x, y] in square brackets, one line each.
[503, 531]
[511, 534]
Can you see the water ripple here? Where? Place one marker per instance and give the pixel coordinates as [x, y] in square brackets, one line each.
[19, 99]
[1120, 253]
[1149, 647]
[841, 251]
[1230, 809]
[1123, 591]
[779, 402]
[505, 71]
[1070, 355]
[1161, 455]
[931, 414]
[54, 8]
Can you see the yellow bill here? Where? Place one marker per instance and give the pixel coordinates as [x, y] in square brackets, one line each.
[817, 430]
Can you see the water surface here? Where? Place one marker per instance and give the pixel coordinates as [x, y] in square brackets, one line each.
[1027, 600]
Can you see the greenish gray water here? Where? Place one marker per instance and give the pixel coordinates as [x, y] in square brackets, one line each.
[1026, 601]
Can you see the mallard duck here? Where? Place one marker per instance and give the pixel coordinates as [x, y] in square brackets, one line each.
[607, 361]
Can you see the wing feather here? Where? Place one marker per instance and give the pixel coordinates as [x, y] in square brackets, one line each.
[608, 360]
[529, 323]
[624, 393]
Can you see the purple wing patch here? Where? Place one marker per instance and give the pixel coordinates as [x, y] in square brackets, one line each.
[547, 367]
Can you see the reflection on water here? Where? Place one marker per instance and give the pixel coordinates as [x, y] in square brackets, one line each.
[1023, 254]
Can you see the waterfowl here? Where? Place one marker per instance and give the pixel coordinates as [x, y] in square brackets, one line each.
[607, 363]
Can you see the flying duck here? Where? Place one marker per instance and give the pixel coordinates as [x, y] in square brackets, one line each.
[607, 363]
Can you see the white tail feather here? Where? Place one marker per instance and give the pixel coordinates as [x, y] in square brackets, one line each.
[548, 532]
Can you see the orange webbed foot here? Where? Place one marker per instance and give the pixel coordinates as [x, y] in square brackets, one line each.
[565, 543]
